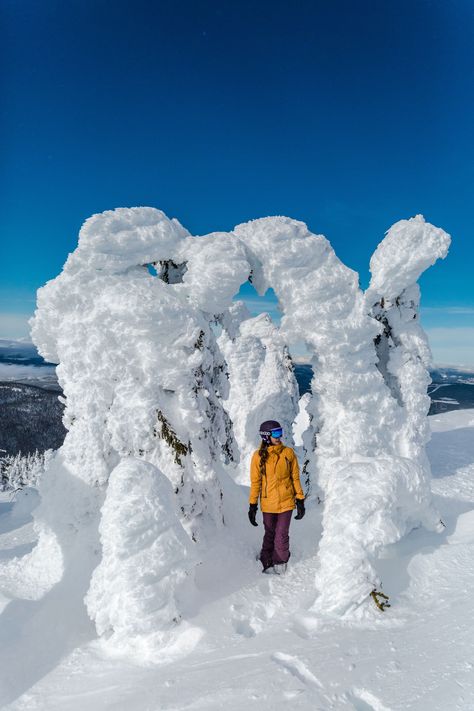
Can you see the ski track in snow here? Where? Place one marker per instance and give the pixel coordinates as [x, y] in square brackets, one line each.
[261, 646]
[297, 668]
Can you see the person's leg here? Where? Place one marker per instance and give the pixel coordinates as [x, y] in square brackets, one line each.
[281, 546]
[266, 554]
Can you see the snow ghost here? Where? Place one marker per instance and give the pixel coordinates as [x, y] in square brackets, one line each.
[145, 556]
[367, 413]
[161, 405]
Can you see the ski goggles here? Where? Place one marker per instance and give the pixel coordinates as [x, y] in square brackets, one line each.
[276, 433]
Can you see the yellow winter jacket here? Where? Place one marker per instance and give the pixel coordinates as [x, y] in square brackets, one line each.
[280, 484]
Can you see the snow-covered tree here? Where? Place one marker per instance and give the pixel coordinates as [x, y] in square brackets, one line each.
[379, 489]
[141, 374]
[305, 436]
[319, 297]
[393, 297]
[138, 361]
[262, 382]
[20, 470]
[373, 492]
[151, 392]
[145, 556]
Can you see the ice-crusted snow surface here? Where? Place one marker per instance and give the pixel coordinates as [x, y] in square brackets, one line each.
[261, 647]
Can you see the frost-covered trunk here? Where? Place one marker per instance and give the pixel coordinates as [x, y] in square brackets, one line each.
[305, 435]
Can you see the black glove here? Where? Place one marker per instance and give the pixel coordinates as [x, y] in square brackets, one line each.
[300, 509]
[252, 514]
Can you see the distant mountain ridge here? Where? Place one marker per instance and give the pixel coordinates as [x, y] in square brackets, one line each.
[452, 375]
[20, 352]
[31, 414]
[451, 389]
[20, 362]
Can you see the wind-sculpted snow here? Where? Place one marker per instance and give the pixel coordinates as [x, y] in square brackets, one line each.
[216, 267]
[323, 305]
[409, 248]
[140, 369]
[132, 322]
[313, 287]
[145, 556]
[115, 240]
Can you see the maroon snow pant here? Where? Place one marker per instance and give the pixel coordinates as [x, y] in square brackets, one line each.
[276, 541]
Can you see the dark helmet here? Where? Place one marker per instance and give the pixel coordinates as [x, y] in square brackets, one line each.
[266, 429]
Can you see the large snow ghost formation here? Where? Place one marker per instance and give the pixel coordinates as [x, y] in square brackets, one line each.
[371, 440]
[410, 247]
[151, 389]
[144, 548]
[138, 360]
[139, 365]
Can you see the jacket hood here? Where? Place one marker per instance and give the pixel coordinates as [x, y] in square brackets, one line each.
[276, 448]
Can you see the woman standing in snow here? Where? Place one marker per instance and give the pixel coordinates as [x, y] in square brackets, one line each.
[274, 477]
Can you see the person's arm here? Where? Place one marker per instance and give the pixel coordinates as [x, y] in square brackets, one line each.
[255, 479]
[295, 477]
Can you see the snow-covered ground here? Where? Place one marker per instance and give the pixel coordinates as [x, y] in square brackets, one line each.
[250, 640]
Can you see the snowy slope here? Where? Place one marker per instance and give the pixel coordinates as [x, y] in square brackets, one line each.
[254, 644]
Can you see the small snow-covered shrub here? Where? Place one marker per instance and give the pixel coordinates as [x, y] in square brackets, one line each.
[389, 496]
[145, 555]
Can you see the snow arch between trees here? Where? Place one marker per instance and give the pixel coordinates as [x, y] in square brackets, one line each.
[146, 379]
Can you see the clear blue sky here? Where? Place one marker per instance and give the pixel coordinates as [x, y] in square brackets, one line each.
[347, 115]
